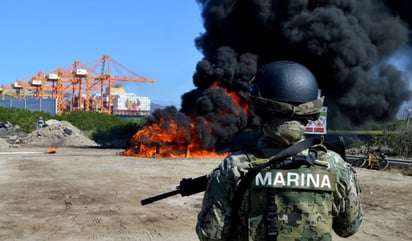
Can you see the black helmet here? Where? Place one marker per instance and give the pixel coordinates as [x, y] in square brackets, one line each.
[285, 81]
[285, 89]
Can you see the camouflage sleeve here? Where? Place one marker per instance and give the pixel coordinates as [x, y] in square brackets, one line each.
[347, 207]
[214, 218]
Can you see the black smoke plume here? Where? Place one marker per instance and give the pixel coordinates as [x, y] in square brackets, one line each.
[345, 43]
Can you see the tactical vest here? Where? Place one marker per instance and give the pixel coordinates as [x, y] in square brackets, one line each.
[288, 203]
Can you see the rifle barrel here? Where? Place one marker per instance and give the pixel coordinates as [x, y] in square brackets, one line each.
[159, 197]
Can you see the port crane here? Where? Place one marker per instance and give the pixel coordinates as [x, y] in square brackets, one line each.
[100, 74]
[89, 85]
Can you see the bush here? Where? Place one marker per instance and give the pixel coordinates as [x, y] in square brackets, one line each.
[24, 118]
[404, 143]
[110, 130]
[104, 129]
[398, 138]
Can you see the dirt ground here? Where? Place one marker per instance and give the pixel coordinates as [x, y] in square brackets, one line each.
[94, 194]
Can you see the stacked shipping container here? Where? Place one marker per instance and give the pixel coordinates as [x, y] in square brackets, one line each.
[129, 104]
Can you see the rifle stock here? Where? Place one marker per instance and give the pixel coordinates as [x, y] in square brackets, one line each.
[187, 187]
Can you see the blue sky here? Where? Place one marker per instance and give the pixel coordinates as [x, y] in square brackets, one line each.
[153, 38]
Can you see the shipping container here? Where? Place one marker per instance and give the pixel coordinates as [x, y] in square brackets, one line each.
[116, 90]
[131, 104]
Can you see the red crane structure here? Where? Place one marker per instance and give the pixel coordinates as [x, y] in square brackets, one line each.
[89, 85]
[104, 78]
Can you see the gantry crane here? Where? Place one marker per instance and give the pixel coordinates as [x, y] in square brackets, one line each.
[22, 89]
[7, 90]
[38, 82]
[76, 79]
[64, 79]
[105, 77]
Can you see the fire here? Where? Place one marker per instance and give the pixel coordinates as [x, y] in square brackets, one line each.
[239, 101]
[170, 138]
[167, 139]
[51, 150]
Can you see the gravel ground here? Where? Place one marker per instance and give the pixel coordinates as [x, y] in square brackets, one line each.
[94, 194]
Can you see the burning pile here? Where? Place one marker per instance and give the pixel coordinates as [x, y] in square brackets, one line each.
[171, 133]
[346, 44]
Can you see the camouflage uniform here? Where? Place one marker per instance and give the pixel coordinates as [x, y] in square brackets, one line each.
[302, 213]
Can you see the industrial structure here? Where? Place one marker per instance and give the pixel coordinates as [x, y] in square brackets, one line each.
[84, 87]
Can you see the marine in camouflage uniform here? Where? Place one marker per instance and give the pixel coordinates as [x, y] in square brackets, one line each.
[295, 203]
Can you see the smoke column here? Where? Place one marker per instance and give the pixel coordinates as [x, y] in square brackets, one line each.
[345, 43]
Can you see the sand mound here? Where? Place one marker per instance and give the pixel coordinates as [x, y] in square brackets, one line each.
[59, 133]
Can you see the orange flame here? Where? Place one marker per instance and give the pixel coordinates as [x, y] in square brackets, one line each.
[172, 141]
[51, 150]
[168, 139]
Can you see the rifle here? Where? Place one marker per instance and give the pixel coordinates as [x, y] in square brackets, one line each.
[187, 187]
[190, 186]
